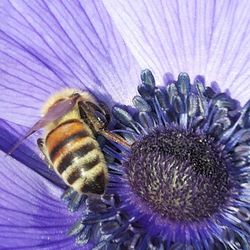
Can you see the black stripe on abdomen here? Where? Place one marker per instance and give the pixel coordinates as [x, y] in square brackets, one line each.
[76, 173]
[74, 176]
[68, 140]
[67, 160]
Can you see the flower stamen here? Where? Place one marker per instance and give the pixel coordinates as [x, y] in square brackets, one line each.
[184, 183]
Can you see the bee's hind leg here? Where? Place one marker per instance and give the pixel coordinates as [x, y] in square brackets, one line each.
[40, 144]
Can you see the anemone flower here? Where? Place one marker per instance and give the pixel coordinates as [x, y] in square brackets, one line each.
[183, 182]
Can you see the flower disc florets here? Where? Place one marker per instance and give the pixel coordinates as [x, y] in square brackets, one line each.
[184, 181]
[180, 175]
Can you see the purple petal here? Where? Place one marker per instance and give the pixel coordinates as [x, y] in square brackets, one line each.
[209, 38]
[49, 45]
[32, 215]
[27, 153]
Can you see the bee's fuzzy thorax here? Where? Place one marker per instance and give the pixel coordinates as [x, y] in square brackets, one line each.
[60, 95]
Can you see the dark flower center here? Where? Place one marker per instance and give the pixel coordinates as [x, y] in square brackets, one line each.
[180, 175]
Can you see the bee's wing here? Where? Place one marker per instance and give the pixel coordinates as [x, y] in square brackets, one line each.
[56, 111]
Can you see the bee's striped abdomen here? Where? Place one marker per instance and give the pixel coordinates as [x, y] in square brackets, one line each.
[64, 138]
[76, 156]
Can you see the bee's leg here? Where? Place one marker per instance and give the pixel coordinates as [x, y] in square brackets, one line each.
[40, 144]
[115, 138]
[99, 126]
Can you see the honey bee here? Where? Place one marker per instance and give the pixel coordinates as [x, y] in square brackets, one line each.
[72, 119]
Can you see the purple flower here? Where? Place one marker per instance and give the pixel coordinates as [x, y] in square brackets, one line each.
[181, 133]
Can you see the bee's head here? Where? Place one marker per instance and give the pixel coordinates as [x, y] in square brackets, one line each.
[96, 115]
